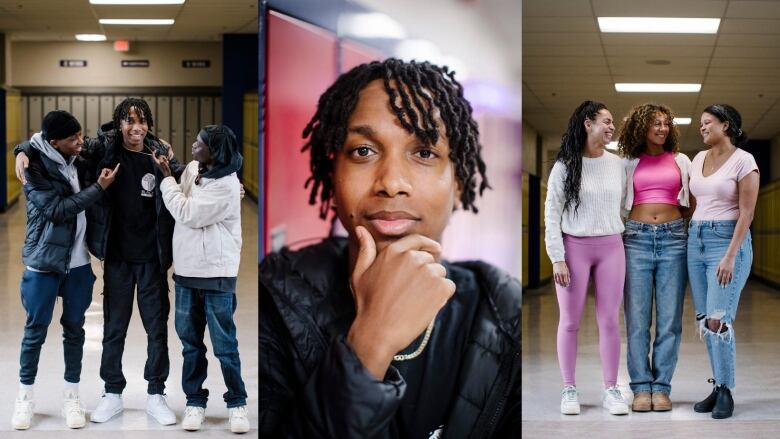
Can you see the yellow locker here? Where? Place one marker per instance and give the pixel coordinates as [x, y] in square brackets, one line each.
[13, 136]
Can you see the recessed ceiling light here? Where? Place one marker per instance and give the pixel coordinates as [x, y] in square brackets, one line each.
[657, 87]
[682, 120]
[137, 21]
[90, 37]
[136, 2]
[659, 25]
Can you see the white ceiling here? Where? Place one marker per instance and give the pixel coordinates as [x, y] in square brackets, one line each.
[60, 20]
[567, 60]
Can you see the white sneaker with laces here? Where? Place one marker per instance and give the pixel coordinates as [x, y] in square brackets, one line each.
[23, 410]
[614, 402]
[73, 411]
[110, 405]
[570, 404]
[159, 410]
[193, 418]
[239, 422]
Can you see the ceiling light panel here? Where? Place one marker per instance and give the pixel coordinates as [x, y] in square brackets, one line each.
[137, 21]
[659, 25]
[657, 87]
[136, 2]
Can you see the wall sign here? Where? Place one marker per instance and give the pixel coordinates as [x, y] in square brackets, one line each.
[73, 63]
[196, 63]
[135, 63]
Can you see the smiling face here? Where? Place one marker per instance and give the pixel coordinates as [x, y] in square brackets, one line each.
[69, 146]
[600, 130]
[712, 130]
[134, 129]
[387, 179]
[658, 130]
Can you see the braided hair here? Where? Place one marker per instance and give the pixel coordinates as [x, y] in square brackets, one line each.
[570, 154]
[727, 113]
[423, 88]
[142, 110]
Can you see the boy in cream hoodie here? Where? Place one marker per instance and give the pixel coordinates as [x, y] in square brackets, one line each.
[206, 253]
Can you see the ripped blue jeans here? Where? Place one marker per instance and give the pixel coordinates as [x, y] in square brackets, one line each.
[707, 244]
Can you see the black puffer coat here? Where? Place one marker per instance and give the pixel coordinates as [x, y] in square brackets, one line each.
[101, 152]
[51, 213]
[312, 386]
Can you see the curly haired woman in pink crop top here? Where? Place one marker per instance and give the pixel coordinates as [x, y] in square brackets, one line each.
[655, 242]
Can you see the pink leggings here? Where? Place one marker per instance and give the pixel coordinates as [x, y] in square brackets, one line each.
[603, 259]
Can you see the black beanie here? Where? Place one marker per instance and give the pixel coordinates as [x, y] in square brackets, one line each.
[59, 124]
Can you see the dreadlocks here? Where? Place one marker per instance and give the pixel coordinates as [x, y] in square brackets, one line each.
[423, 88]
[142, 110]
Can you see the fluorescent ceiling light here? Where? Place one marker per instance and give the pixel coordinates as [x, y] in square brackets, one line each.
[659, 25]
[136, 2]
[90, 37]
[137, 21]
[657, 87]
[682, 120]
[370, 25]
[612, 145]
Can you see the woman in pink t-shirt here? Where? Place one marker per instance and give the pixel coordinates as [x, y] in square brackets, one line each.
[724, 188]
[655, 243]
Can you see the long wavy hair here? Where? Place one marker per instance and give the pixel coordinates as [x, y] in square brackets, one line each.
[632, 137]
[727, 113]
[570, 154]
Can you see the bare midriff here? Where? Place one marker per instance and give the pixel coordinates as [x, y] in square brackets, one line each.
[655, 213]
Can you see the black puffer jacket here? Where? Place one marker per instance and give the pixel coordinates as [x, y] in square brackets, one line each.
[101, 152]
[313, 386]
[51, 213]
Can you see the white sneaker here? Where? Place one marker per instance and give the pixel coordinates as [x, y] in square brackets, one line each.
[239, 422]
[110, 405]
[73, 411]
[570, 404]
[614, 402]
[159, 410]
[193, 418]
[23, 410]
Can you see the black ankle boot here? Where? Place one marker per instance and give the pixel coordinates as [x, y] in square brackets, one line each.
[724, 404]
[706, 405]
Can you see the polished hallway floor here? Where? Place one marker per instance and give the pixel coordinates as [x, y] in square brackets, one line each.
[133, 422]
[757, 393]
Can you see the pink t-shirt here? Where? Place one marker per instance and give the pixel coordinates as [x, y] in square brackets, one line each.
[657, 179]
[717, 196]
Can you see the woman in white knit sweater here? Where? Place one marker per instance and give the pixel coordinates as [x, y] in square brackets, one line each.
[583, 237]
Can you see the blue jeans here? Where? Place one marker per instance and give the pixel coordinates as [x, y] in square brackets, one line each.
[39, 293]
[707, 244]
[194, 310]
[655, 262]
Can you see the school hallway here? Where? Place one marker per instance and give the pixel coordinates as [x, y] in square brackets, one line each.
[756, 401]
[133, 422]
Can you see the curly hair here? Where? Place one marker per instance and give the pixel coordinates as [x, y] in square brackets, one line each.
[570, 154]
[423, 89]
[632, 137]
[727, 113]
[122, 111]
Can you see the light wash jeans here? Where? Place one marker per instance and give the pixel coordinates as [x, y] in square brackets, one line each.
[707, 244]
[655, 269]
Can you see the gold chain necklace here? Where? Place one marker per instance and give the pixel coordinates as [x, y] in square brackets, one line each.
[418, 351]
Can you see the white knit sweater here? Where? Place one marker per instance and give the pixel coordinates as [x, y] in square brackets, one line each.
[602, 192]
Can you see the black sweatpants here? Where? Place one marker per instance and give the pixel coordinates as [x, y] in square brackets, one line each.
[121, 280]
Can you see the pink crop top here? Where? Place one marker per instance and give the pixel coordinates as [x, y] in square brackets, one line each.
[657, 179]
